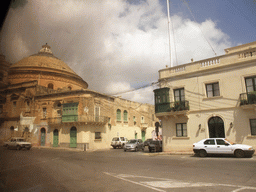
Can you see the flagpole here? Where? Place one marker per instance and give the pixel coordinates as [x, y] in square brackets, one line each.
[169, 29]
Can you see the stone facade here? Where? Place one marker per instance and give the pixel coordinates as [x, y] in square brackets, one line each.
[209, 98]
[50, 105]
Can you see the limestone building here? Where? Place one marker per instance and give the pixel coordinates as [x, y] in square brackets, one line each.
[44, 100]
[214, 97]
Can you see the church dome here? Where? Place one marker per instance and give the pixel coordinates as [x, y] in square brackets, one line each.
[47, 69]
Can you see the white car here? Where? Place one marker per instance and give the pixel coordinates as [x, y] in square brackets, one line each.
[221, 146]
[17, 143]
[118, 142]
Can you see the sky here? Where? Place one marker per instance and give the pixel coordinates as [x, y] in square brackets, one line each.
[120, 45]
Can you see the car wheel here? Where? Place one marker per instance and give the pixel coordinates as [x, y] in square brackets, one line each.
[114, 147]
[202, 153]
[239, 153]
[142, 148]
[28, 148]
[7, 146]
[122, 146]
[136, 149]
[18, 148]
[124, 150]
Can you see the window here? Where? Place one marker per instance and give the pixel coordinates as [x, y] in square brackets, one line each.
[125, 116]
[50, 86]
[44, 112]
[142, 119]
[250, 84]
[179, 95]
[209, 142]
[97, 135]
[221, 142]
[97, 113]
[162, 95]
[1, 109]
[212, 90]
[181, 130]
[118, 115]
[253, 126]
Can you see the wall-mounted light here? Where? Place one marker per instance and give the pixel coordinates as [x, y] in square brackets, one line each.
[199, 126]
[231, 125]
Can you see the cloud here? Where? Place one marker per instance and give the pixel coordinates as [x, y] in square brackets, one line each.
[113, 45]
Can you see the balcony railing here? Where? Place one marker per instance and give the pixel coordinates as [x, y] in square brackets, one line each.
[248, 98]
[172, 107]
[79, 119]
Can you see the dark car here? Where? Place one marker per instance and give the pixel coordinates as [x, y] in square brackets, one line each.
[146, 143]
[155, 146]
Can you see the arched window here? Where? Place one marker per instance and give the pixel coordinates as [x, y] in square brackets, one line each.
[50, 86]
[118, 115]
[125, 116]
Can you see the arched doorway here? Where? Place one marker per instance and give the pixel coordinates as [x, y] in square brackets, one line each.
[216, 127]
[55, 138]
[43, 137]
[73, 137]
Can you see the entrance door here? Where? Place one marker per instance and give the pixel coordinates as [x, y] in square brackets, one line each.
[73, 135]
[216, 127]
[43, 137]
[143, 135]
[55, 138]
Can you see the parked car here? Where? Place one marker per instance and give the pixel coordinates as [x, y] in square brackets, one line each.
[118, 142]
[155, 146]
[221, 146]
[17, 143]
[146, 143]
[134, 145]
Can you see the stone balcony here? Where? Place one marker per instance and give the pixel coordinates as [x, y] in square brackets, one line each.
[231, 59]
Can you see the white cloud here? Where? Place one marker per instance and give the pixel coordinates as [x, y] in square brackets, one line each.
[113, 45]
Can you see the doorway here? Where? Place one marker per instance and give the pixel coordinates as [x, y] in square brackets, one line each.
[73, 137]
[216, 128]
[55, 138]
[143, 133]
[43, 137]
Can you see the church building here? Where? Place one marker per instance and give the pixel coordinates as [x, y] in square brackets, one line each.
[45, 101]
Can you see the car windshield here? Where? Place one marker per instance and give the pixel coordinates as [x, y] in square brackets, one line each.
[132, 141]
[20, 140]
[115, 139]
[154, 142]
[232, 143]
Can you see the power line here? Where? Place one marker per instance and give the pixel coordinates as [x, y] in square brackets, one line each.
[135, 89]
[184, 1]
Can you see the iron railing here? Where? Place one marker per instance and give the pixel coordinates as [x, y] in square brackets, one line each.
[78, 118]
[248, 98]
[172, 106]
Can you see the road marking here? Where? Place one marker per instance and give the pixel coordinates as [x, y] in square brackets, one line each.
[164, 183]
[118, 176]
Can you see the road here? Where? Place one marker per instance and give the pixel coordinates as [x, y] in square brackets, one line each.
[114, 170]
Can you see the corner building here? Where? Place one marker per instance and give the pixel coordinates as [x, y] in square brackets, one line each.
[45, 101]
[215, 97]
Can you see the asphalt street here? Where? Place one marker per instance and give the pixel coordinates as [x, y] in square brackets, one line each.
[48, 169]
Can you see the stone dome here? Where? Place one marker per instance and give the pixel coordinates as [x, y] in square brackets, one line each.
[46, 69]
